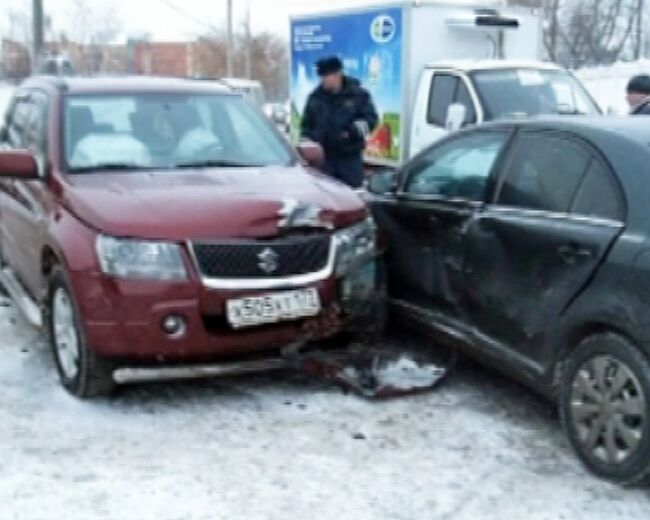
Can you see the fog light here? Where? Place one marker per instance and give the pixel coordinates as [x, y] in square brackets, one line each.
[174, 326]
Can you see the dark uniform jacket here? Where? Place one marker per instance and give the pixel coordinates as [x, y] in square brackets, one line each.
[329, 118]
[642, 109]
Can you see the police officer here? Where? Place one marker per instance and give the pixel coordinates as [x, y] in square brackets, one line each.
[638, 95]
[339, 115]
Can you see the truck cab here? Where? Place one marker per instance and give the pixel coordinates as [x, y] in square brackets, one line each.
[457, 94]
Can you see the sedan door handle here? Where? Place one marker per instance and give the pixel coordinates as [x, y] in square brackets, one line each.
[572, 253]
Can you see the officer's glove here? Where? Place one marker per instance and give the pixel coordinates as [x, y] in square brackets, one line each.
[360, 128]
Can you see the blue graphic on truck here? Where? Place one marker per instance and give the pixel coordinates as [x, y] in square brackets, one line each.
[370, 46]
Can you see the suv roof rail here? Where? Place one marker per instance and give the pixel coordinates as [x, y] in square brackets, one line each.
[56, 81]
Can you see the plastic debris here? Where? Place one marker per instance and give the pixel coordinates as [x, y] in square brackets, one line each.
[373, 372]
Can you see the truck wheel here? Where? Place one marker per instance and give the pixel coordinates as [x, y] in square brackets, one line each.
[82, 372]
[605, 407]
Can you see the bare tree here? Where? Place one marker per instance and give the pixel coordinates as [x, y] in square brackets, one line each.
[91, 30]
[19, 25]
[16, 59]
[269, 59]
[590, 32]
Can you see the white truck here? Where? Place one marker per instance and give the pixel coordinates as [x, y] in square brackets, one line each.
[433, 67]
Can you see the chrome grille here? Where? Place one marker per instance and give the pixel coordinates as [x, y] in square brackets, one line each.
[263, 259]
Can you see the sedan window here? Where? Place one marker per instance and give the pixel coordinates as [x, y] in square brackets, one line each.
[600, 194]
[458, 168]
[544, 172]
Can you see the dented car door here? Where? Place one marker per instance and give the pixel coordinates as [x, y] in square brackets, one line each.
[532, 250]
[426, 221]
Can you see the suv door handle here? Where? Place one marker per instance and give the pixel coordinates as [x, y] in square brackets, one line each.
[572, 253]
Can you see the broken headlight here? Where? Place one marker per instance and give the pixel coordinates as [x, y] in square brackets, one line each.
[355, 245]
[144, 260]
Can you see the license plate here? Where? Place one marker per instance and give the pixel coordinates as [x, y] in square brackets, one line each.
[272, 308]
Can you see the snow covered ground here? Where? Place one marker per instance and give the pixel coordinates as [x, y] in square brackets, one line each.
[283, 447]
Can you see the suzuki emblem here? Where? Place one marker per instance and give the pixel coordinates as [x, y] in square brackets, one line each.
[268, 260]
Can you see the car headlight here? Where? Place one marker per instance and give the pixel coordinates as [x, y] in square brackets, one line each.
[127, 258]
[354, 245]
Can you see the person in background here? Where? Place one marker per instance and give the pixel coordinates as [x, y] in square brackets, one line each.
[339, 115]
[638, 95]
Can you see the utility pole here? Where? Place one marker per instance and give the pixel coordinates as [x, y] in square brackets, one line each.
[640, 40]
[249, 43]
[37, 33]
[231, 44]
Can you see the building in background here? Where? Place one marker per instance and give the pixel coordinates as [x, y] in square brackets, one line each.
[161, 58]
[15, 62]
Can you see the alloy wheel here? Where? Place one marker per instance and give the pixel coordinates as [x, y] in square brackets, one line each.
[66, 337]
[608, 409]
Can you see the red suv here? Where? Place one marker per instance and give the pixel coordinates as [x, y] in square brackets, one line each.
[157, 226]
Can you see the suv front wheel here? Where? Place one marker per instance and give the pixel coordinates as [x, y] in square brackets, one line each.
[605, 407]
[81, 371]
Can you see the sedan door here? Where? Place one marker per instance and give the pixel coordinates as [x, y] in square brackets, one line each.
[424, 223]
[530, 252]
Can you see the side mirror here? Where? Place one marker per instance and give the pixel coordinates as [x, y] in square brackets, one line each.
[312, 153]
[18, 164]
[382, 182]
[455, 117]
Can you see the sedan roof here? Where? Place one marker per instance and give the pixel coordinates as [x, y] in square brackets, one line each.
[606, 130]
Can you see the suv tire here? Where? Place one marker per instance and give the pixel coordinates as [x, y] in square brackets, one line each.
[82, 372]
[605, 407]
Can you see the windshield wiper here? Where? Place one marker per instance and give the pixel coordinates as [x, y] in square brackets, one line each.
[217, 163]
[110, 167]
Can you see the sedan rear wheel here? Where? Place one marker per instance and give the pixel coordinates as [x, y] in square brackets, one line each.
[605, 407]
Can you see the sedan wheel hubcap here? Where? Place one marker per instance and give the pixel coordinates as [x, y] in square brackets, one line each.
[66, 339]
[608, 409]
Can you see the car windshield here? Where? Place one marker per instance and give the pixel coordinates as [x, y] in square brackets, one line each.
[528, 92]
[167, 130]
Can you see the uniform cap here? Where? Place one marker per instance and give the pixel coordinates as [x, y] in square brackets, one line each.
[329, 65]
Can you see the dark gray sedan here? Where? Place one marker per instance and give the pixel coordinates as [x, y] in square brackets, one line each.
[528, 244]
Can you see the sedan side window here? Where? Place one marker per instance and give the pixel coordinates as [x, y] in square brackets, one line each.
[458, 168]
[600, 194]
[544, 172]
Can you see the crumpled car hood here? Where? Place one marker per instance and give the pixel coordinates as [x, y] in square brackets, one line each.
[204, 203]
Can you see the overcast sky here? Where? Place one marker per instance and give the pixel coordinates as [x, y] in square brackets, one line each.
[178, 19]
